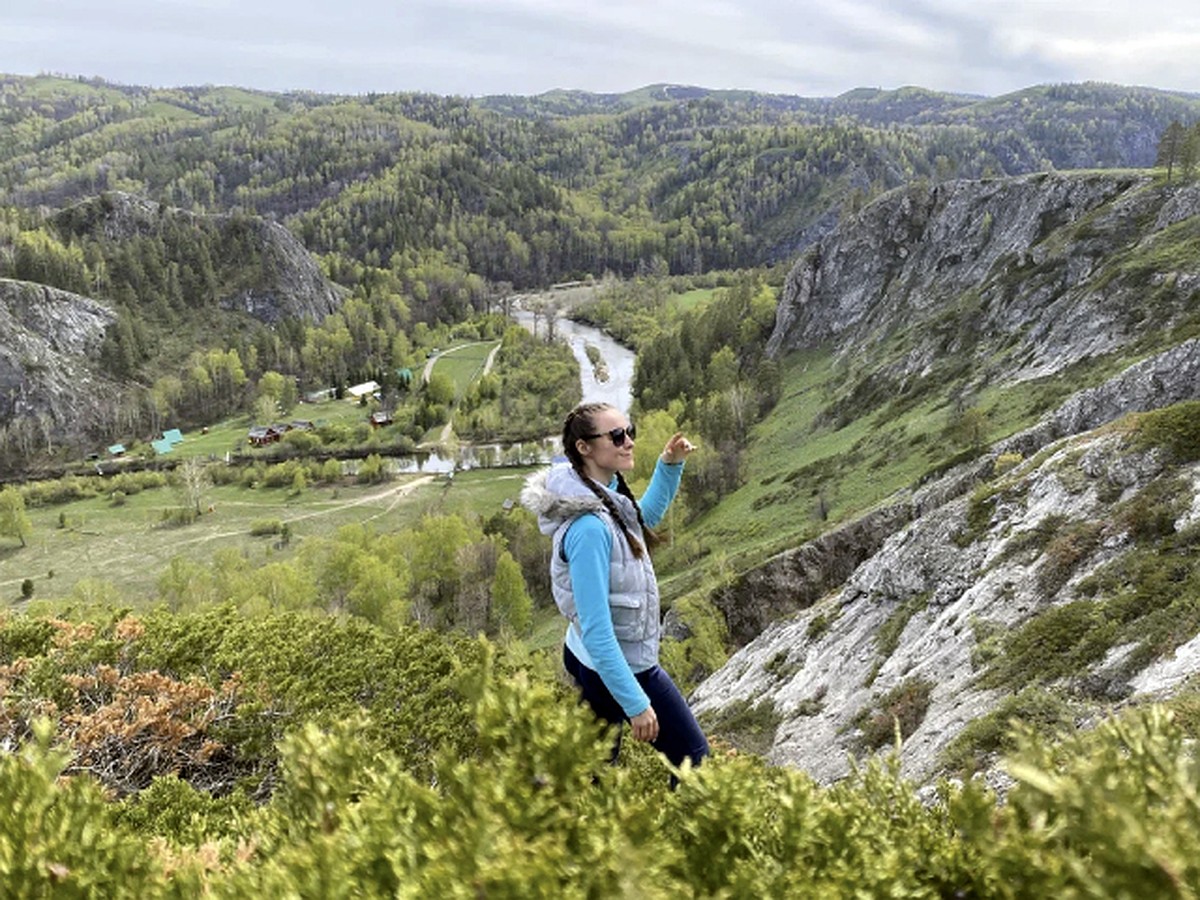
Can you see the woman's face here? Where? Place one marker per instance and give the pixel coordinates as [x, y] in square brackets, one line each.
[602, 457]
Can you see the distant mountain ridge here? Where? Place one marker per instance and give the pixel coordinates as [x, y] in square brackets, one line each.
[535, 190]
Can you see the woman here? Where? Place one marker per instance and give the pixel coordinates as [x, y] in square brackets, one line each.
[603, 580]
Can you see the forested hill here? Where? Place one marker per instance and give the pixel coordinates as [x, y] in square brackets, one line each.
[539, 189]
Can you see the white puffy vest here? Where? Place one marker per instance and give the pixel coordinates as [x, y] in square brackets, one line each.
[632, 587]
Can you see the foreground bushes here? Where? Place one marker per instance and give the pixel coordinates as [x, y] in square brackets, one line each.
[514, 798]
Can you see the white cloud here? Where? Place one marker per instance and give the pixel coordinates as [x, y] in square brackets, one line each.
[820, 47]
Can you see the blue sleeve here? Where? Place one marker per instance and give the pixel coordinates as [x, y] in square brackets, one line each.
[661, 491]
[587, 546]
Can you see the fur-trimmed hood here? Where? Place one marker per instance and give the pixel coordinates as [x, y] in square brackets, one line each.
[558, 495]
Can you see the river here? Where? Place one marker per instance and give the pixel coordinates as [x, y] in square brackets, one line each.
[616, 389]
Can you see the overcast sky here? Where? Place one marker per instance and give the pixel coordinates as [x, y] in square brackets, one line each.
[807, 47]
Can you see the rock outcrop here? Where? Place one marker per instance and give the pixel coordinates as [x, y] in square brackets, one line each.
[1023, 274]
[49, 379]
[289, 283]
[53, 389]
[945, 578]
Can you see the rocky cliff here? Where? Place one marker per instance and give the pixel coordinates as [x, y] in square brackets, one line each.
[1048, 579]
[49, 345]
[53, 389]
[287, 282]
[1027, 275]
[969, 568]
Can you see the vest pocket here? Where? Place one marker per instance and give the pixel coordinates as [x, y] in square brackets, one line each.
[628, 616]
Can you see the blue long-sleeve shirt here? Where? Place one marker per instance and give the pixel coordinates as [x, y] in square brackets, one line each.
[587, 546]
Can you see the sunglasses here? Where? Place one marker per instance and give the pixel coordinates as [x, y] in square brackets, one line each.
[617, 435]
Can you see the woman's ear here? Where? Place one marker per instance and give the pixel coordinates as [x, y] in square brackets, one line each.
[583, 447]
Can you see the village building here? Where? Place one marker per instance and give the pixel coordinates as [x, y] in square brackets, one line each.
[366, 389]
[261, 435]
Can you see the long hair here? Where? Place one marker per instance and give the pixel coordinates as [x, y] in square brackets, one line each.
[581, 422]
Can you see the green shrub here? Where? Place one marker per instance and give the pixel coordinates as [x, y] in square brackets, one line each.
[1032, 541]
[172, 809]
[1063, 554]
[989, 735]
[702, 652]
[1176, 429]
[372, 470]
[1056, 643]
[58, 838]
[261, 527]
[820, 624]
[1006, 462]
[522, 802]
[902, 708]
[1152, 512]
[782, 666]
[179, 517]
[23, 636]
[745, 724]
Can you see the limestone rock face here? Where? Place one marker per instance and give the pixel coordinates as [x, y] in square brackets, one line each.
[51, 339]
[956, 579]
[1012, 271]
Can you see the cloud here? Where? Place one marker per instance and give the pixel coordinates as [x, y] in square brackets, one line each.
[821, 47]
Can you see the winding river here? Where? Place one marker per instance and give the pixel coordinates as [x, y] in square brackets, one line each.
[616, 388]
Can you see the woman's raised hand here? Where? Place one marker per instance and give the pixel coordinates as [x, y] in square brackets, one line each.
[677, 449]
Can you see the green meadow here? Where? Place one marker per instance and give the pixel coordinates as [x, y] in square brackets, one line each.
[95, 549]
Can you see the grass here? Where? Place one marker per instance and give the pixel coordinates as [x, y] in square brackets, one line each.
[902, 708]
[128, 546]
[992, 734]
[803, 474]
[692, 300]
[464, 363]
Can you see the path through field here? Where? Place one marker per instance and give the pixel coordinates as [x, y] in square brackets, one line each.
[125, 554]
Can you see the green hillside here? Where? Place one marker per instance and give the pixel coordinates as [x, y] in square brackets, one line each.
[300, 672]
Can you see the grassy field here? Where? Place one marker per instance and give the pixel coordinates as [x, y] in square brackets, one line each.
[691, 300]
[128, 546]
[464, 363]
[229, 436]
[803, 475]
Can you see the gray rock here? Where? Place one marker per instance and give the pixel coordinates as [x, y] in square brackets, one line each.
[912, 549]
[1008, 268]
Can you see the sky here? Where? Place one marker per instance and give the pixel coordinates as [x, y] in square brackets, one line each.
[812, 48]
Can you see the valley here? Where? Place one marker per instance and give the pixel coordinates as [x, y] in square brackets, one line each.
[930, 581]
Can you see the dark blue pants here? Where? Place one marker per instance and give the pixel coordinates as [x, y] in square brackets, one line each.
[679, 734]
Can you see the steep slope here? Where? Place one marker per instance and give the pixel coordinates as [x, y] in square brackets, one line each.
[1028, 275]
[1053, 574]
[258, 266]
[1036, 578]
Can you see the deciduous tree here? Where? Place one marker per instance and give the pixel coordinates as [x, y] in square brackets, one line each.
[14, 522]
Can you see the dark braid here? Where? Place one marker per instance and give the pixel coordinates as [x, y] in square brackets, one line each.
[652, 538]
[579, 423]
